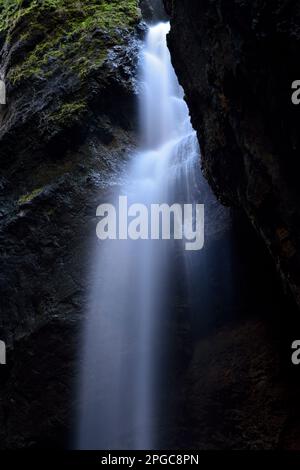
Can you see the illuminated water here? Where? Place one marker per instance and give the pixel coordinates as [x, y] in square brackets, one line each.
[124, 338]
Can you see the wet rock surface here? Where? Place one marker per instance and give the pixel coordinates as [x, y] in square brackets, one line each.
[153, 10]
[236, 62]
[65, 139]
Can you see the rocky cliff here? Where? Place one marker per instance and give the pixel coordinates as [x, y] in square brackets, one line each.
[66, 132]
[153, 10]
[236, 61]
[65, 135]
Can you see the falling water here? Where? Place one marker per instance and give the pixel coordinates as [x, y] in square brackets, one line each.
[126, 331]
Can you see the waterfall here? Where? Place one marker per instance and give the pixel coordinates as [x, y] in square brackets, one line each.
[126, 337]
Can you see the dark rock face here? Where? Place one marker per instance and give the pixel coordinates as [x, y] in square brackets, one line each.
[239, 389]
[236, 62]
[226, 384]
[153, 10]
[65, 136]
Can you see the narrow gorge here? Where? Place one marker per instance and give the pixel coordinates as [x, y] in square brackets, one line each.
[164, 101]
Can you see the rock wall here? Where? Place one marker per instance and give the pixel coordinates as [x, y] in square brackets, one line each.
[236, 61]
[66, 131]
[153, 10]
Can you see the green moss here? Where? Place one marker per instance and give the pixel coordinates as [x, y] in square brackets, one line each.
[29, 197]
[68, 113]
[72, 34]
[9, 10]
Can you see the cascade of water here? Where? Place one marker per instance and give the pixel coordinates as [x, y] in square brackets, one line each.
[123, 339]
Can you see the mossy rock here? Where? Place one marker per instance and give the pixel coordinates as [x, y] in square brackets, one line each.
[27, 198]
[72, 34]
[55, 49]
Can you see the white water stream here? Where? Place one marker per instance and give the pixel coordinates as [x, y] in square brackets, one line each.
[124, 337]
